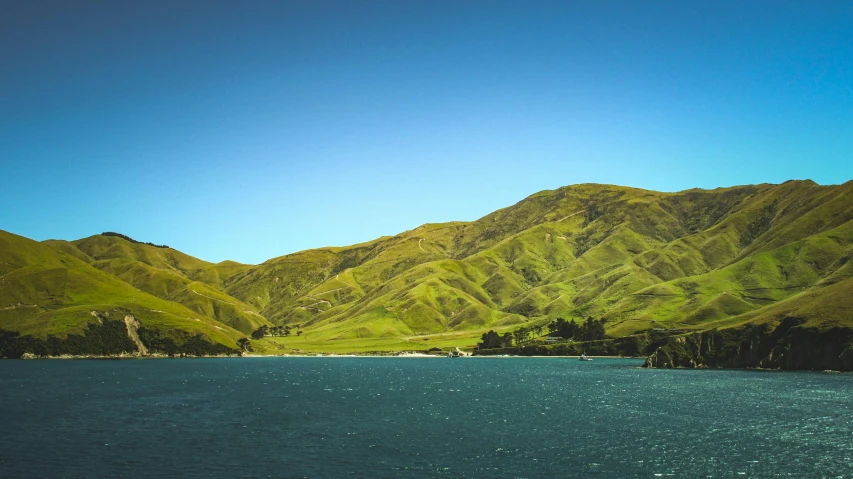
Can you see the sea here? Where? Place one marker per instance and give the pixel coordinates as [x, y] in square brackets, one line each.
[398, 417]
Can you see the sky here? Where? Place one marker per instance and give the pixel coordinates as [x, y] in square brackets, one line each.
[249, 130]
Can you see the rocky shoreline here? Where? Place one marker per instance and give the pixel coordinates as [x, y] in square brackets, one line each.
[789, 346]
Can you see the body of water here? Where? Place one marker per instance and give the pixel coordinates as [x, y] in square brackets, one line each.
[414, 417]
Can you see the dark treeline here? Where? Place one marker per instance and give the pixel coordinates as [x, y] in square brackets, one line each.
[128, 238]
[265, 330]
[590, 330]
[493, 340]
[632, 346]
[191, 345]
[107, 339]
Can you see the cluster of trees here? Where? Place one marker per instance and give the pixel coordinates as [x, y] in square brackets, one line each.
[632, 346]
[244, 344]
[493, 340]
[128, 238]
[107, 339]
[190, 345]
[275, 331]
[527, 333]
[590, 330]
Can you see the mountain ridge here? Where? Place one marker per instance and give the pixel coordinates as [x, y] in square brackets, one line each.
[637, 259]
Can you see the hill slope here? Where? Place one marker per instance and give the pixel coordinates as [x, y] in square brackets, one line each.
[640, 260]
[46, 292]
[168, 274]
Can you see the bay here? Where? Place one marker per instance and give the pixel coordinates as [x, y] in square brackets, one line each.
[418, 417]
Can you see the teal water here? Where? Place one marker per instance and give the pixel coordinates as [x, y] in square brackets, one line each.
[410, 417]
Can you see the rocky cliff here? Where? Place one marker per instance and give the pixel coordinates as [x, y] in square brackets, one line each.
[789, 345]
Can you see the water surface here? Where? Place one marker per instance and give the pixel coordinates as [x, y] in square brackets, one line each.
[412, 417]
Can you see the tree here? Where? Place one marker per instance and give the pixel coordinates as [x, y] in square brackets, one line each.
[244, 344]
[279, 331]
[592, 330]
[493, 340]
[516, 336]
[260, 332]
[564, 329]
[520, 335]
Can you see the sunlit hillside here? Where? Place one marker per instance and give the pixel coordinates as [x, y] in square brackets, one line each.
[45, 291]
[639, 259]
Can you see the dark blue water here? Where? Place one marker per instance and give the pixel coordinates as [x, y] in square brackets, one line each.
[406, 417]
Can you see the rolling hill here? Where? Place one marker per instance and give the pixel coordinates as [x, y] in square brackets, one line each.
[47, 293]
[168, 274]
[639, 260]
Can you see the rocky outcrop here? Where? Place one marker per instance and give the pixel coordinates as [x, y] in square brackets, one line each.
[133, 333]
[788, 346]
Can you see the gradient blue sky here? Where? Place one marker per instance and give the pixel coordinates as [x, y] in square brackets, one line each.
[247, 130]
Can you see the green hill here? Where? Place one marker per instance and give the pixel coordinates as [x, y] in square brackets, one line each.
[51, 295]
[170, 275]
[639, 260]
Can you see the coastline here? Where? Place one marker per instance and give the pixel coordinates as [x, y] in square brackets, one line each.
[65, 357]
[344, 356]
[30, 357]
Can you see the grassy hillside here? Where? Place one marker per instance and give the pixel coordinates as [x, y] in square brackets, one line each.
[48, 292]
[170, 275]
[639, 259]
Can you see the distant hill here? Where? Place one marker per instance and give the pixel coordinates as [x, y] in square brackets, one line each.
[640, 260]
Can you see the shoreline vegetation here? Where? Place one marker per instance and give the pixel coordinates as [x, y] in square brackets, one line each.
[111, 339]
[331, 355]
[788, 346]
[791, 345]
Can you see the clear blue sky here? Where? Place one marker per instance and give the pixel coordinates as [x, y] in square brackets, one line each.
[247, 130]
